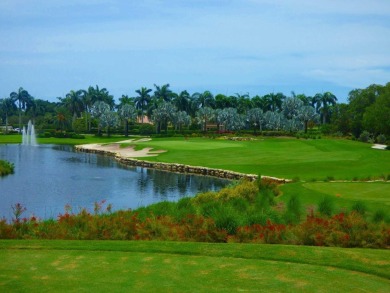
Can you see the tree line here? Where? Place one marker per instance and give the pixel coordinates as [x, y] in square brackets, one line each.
[82, 110]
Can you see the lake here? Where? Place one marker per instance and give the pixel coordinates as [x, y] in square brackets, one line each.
[48, 177]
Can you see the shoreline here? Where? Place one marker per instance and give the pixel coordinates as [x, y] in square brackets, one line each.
[129, 157]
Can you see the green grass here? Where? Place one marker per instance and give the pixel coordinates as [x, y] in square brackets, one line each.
[37, 266]
[280, 157]
[375, 195]
[69, 141]
[117, 266]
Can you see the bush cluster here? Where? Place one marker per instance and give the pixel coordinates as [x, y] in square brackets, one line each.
[246, 212]
[6, 168]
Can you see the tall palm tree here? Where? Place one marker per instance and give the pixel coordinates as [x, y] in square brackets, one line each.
[74, 103]
[7, 107]
[21, 97]
[275, 101]
[204, 115]
[244, 103]
[98, 109]
[142, 100]
[205, 99]
[127, 112]
[125, 99]
[306, 114]
[182, 101]
[324, 101]
[256, 118]
[96, 94]
[163, 93]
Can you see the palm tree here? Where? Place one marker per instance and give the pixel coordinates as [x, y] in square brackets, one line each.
[182, 101]
[163, 93]
[74, 103]
[7, 106]
[61, 120]
[291, 106]
[127, 112]
[96, 94]
[20, 97]
[162, 114]
[125, 99]
[98, 109]
[108, 119]
[142, 100]
[221, 101]
[205, 99]
[256, 118]
[204, 115]
[181, 118]
[306, 114]
[277, 101]
[244, 103]
[324, 101]
[37, 107]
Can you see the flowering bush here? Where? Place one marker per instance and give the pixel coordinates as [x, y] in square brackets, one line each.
[248, 218]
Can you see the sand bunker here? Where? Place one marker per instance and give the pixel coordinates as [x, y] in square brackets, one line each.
[379, 146]
[126, 152]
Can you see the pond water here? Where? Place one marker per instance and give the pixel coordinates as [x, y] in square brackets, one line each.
[48, 177]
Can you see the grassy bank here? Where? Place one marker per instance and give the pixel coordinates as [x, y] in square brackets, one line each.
[15, 138]
[114, 266]
[374, 195]
[321, 159]
[280, 157]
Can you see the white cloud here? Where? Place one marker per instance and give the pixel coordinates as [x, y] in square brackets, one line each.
[236, 42]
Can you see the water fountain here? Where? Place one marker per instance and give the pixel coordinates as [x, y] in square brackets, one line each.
[29, 137]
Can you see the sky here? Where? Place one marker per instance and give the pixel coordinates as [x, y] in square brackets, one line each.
[50, 47]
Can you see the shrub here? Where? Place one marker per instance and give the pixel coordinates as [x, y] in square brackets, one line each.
[294, 210]
[326, 206]
[381, 139]
[359, 207]
[146, 129]
[365, 136]
[379, 216]
[6, 168]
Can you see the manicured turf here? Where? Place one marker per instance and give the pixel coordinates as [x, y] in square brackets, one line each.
[36, 266]
[15, 138]
[375, 195]
[112, 266]
[280, 157]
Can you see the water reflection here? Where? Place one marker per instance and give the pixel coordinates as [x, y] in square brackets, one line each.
[49, 177]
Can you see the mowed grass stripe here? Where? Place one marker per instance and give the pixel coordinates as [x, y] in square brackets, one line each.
[70, 271]
[280, 157]
[371, 261]
[375, 195]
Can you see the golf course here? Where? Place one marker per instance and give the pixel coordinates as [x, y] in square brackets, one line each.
[348, 172]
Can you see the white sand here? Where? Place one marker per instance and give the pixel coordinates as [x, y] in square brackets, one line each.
[126, 152]
[379, 146]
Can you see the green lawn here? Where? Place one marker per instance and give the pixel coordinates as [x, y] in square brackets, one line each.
[375, 195]
[111, 266]
[279, 157]
[15, 138]
[114, 266]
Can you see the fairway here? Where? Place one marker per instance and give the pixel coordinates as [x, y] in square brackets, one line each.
[46, 266]
[375, 195]
[279, 157]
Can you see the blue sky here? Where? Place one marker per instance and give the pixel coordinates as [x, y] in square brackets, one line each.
[50, 47]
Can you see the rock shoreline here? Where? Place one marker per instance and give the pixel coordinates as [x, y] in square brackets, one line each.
[179, 168]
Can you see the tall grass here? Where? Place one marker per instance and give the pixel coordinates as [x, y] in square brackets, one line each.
[248, 212]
